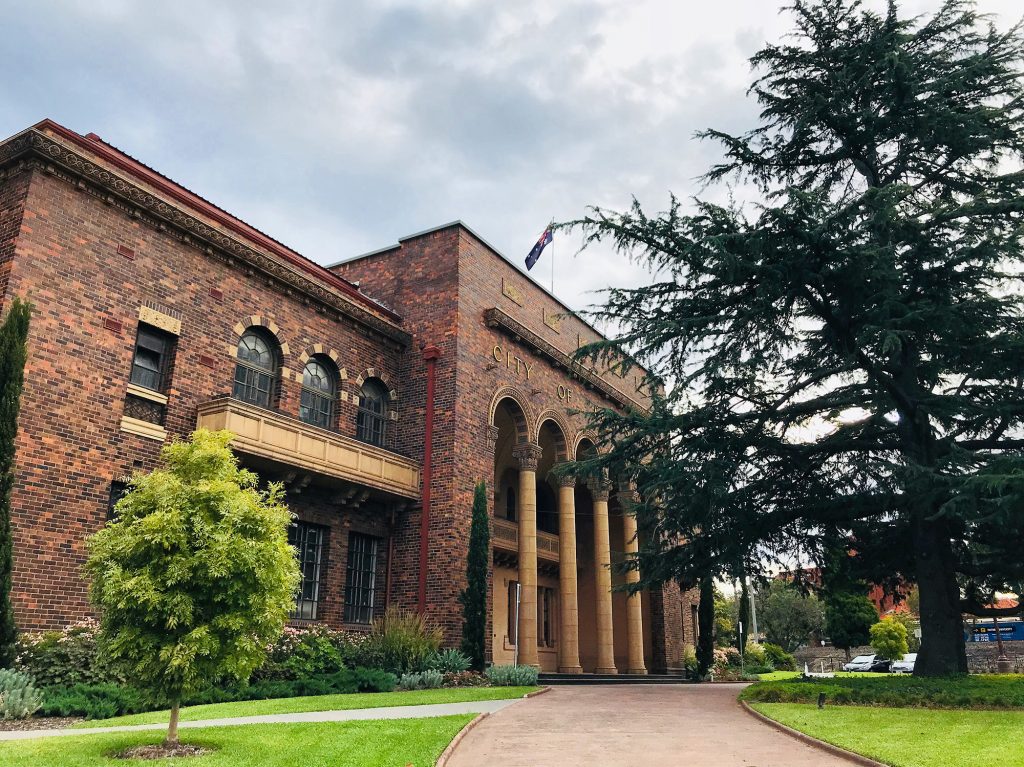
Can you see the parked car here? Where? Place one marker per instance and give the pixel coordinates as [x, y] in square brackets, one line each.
[868, 663]
[904, 665]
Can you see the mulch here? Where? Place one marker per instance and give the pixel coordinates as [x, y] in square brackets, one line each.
[162, 752]
[39, 723]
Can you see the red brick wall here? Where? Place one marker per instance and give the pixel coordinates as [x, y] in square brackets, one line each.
[12, 197]
[70, 445]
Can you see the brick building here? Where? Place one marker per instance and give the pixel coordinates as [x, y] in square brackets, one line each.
[157, 312]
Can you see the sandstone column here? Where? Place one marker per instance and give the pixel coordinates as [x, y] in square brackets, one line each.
[528, 455]
[569, 626]
[634, 611]
[603, 577]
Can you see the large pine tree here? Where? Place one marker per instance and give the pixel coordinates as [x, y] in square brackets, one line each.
[844, 356]
[13, 353]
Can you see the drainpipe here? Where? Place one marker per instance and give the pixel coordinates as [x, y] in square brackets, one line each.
[430, 355]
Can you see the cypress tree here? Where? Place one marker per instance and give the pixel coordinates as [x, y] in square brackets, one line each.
[474, 597]
[706, 627]
[13, 352]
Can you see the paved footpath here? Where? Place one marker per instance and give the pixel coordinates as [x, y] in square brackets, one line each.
[388, 712]
[633, 725]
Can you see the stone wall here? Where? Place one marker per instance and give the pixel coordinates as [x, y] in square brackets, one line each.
[981, 656]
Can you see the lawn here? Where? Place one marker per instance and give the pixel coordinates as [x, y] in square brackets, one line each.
[910, 737]
[339, 744]
[778, 676]
[319, 703]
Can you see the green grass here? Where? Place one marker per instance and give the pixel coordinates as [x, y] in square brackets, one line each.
[319, 703]
[779, 676]
[339, 744]
[978, 692]
[912, 737]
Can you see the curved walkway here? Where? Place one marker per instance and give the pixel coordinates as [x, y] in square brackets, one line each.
[388, 712]
[626, 725]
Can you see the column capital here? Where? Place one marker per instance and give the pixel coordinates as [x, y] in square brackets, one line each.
[565, 480]
[528, 455]
[600, 489]
[491, 434]
[628, 497]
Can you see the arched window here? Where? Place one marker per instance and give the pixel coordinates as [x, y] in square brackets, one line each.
[373, 408]
[319, 393]
[256, 371]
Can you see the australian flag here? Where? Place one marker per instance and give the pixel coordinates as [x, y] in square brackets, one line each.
[538, 248]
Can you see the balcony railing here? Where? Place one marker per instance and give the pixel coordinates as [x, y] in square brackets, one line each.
[268, 434]
[506, 537]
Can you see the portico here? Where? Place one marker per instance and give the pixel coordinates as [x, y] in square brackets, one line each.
[552, 600]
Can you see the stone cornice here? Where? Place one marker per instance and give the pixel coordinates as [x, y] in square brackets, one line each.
[496, 318]
[36, 150]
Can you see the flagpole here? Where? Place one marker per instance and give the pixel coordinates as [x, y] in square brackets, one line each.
[552, 257]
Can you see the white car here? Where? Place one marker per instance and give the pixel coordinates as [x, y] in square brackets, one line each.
[861, 663]
[905, 665]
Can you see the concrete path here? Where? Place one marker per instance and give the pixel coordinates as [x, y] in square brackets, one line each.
[633, 725]
[386, 712]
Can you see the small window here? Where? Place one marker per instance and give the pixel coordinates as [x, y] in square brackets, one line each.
[118, 490]
[319, 393]
[546, 616]
[256, 370]
[362, 578]
[694, 624]
[308, 541]
[372, 416]
[152, 358]
[513, 611]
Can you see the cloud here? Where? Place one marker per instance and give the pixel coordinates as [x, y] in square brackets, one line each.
[339, 127]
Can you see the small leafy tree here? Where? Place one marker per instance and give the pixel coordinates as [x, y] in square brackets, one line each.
[787, 617]
[848, 619]
[474, 597]
[195, 577]
[889, 639]
[13, 353]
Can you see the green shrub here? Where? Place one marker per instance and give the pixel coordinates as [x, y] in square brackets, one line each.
[900, 691]
[512, 676]
[300, 653]
[754, 655]
[421, 680]
[19, 697]
[74, 655]
[401, 642]
[465, 679]
[94, 701]
[690, 662]
[374, 680]
[449, 661]
[778, 658]
[889, 639]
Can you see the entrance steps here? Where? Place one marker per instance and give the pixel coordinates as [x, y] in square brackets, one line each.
[550, 678]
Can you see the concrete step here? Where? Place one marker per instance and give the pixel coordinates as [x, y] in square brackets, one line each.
[550, 679]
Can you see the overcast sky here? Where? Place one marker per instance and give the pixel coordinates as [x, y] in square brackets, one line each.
[339, 127]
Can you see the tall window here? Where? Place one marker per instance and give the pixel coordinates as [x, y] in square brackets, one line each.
[319, 393]
[373, 406]
[546, 616]
[362, 578]
[510, 504]
[118, 490]
[256, 371]
[308, 541]
[513, 611]
[152, 359]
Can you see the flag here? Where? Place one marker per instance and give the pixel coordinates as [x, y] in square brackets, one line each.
[538, 248]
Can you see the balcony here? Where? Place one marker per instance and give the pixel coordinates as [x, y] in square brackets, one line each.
[506, 537]
[280, 438]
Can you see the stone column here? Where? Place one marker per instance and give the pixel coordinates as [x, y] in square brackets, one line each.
[569, 624]
[528, 456]
[634, 609]
[603, 578]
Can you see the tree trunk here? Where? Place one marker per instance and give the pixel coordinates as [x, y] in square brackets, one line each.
[943, 650]
[172, 729]
[706, 626]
